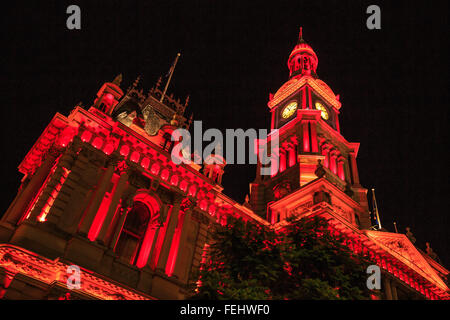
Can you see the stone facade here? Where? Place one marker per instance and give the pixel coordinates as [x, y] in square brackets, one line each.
[101, 192]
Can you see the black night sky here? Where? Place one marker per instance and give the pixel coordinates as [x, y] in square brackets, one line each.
[392, 82]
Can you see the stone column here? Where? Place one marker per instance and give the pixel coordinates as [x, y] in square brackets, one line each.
[326, 153]
[126, 206]
[314, 145]
[333, 165]
[6, 277]
[118, 192]
[394, 291]
[306, 144]
[387, 288]
[292, 157]
[282, 159]
[61, 199]
[26, 196]
[186, 247]
[172, 223]
[97, 199]
[355, 174]
[340, 167]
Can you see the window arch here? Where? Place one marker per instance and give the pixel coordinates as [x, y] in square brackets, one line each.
[133, 232]
[136, 237]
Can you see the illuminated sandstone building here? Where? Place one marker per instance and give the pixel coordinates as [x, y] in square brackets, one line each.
[100, 191]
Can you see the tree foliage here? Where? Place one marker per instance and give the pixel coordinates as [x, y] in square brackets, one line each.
[301, 261]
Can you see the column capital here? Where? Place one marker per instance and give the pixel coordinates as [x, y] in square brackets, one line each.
[334, 152]
[326, 145]
[352, 153]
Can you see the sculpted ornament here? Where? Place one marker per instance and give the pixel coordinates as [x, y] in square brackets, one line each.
[186, 205]
[152, 123]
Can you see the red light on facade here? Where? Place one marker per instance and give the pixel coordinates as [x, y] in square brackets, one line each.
[341, 173]
[145, 163]
[125, 150]
[174, 180]
[203, 205]
[155, 168]
[212, 210]
[192, 190]
[97, 143]
[86, 136]
[109, 98]
[292, 156]
[306, 137]
[65, 140]
[165, 174]
[184, 185]
[109, 148]
[43, 215]
[282, 161]
[135, 156]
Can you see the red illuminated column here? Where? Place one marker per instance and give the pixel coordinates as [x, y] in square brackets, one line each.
[333, 165]
[166, 211]
[387, 288]
[340, 167]
[326, 153]
[6, 277]
[118, 192]
[175, 245]
[355, 174]
[98, 197]
[304, 93]
[305, 130]
[292, 154]
[394, 291]
[275, 162]
[338, 129]
[162, 259]
[147, 245]
[309, 98]
[314, 145]
[272, 122]
[23, 200]
[186, 249]
[123, 211]
[282, 159]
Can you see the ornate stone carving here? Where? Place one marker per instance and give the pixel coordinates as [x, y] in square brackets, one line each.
[320, 171]
[410, 235]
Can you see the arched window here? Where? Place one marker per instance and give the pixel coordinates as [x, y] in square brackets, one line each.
[133, 232]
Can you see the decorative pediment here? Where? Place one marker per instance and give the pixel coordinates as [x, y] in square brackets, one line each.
[398, 245]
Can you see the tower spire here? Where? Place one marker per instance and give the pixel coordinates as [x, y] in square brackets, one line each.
[303, 59]
[169, 74]
[375, 208]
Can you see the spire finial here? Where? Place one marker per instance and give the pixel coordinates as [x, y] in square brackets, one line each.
[118, 80]
[136, 82]
[300, 36]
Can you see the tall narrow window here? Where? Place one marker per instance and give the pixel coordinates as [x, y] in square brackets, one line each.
[167, 143]
[133, 232]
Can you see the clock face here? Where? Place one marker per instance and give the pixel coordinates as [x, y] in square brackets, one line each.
[289, 110]
[323, 111]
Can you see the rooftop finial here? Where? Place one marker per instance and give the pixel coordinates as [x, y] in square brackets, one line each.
[136, 82]
[300, 36]
[118, 80]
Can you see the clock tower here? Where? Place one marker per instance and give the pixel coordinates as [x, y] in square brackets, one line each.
[315, 160]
